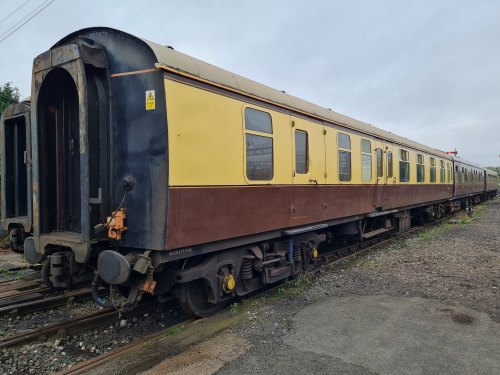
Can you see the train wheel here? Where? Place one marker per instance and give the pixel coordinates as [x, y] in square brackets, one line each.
[46, 274]
[19, 250]
[440, 211]
[194, 300]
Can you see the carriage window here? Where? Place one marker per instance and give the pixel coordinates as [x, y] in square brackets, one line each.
[404, 166]
[420, 168]
[259, 145]
[258, 121]
[344, 145]
[433, 170]
[449, 172]
[301, 152]
[380, 162]
[442, 172]
[366, 160]
[389, 163]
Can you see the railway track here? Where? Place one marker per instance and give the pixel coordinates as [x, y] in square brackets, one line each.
[37, 301]
[330, 258]
[103, 317]
[68, 327]
[71, 326]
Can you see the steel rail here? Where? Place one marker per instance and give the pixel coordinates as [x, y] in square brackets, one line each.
[85, 366]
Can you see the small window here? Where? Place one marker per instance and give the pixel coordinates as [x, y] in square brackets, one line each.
[442, 172]
[420, 168]
[301, 152]
[344, 141]
[258, 121]
[380, 162]
[404, 166]
[433, 170]
[449, 173]
[344, 144]
[366, 160]
[389, 164]
[259, 145]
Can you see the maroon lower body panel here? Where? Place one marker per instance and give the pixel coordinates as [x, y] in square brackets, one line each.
[470, 188]
[207, 214]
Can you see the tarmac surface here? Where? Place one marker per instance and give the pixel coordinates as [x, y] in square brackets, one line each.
[397, 335]
[380, 335]
[428, 304]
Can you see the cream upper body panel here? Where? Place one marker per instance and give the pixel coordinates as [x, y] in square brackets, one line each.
[172, 60]
[209, 146]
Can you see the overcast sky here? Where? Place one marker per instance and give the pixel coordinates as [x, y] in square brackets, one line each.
[426, 70]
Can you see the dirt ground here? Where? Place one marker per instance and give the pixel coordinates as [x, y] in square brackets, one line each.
[428, 303]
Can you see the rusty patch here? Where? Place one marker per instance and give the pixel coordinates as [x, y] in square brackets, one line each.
[458, 317]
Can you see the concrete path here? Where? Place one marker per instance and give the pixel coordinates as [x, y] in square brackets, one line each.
[379, 335]
[398, 335]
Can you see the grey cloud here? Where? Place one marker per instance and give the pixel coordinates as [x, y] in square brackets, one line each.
[427, 70]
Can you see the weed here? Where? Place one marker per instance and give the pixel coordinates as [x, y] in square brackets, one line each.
[175, 330]
[235, 308]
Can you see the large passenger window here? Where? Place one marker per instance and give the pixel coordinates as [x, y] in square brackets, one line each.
[259, 145]
[344, 145]
[433, 170]
[301, 152]
[366, 160]
[380, 162]
[420, 168]
[404, 166]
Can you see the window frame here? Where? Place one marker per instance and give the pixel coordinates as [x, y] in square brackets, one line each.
[306, 171]
[432, 170]
[442, 172]
[379, 156]
[406, 162]
[366, 156]
[255, 133]
[390, 165]
[420, 168]
[346, 151]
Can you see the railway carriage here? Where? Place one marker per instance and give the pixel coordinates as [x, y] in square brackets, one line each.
[469, 179]
[15, 190]
[490, 183]
[164, 173]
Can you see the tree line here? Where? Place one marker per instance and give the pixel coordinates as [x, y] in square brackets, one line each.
[9, 94]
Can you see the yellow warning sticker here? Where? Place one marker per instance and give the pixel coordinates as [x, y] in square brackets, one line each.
[150, 100]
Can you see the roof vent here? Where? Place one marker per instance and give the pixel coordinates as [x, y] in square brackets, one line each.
[170, 47]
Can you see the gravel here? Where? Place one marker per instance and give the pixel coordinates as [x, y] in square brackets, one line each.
[57, 353]
[456, 263]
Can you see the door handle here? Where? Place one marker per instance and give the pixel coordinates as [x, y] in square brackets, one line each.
[314, 182]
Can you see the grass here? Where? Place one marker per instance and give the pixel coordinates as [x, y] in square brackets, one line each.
[17, 274]
[290, 288]
[434, 232]
[175, 330]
